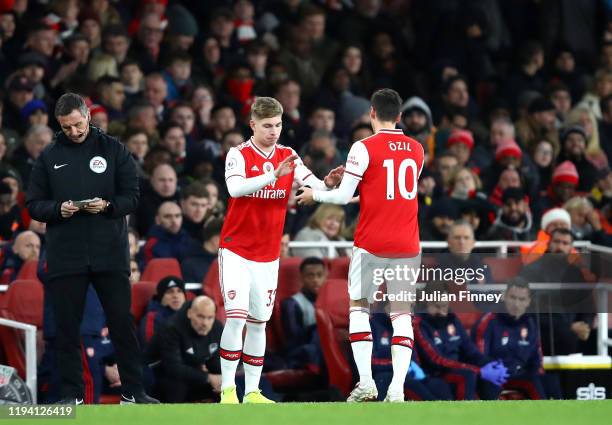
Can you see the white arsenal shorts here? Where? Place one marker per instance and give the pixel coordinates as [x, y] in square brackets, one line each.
[248, 287]
[379, 279]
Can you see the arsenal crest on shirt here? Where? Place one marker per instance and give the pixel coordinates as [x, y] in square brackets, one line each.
[452, 332]
[231, 294]
[268, 167]
[384, 340]
[524, 333]
[437, 339]
[505, 337]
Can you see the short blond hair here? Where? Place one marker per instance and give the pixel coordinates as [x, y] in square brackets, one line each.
[458, 170]
[578, 203]
[266, 107]
[325, 211]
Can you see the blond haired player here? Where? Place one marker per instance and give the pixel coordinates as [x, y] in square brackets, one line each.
[259, 175]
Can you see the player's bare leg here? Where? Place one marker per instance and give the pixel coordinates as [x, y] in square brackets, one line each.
[402, 344]
[360, 334]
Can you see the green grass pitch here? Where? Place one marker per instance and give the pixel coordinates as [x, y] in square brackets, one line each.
[422, 413]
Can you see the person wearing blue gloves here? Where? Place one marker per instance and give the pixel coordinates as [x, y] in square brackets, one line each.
[513, 337]
[446, 351]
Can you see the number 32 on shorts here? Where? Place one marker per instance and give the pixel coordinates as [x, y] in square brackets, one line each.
[271, 295]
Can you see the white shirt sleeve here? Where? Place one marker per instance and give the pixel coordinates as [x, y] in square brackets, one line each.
[235, 176]
[305, 177]
[342, 195]
[357, 161]
[356, 164]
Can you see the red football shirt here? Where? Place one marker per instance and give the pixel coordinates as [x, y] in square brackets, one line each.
[388, 165]
[253, 225]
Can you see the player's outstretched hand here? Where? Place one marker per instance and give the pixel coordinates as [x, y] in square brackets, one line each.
[286, 166]
[334, 177]
[304, 196]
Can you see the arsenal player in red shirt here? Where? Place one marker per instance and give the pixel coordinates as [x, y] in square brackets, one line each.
[259, 175]
[385, 167]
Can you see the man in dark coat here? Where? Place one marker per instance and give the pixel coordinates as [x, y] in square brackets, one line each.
[83, 185]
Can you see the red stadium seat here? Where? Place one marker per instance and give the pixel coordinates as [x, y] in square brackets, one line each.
[289, 283]
[29, 270]
[332, 311]
[503, 269]
[339, 268]
[288, 276]
[212, 288]
[274, 330]
[25, 300]
[468, 319]
[333, 297]
[24, 303]
[158, 268]
[3, 300]
[142, 292]
[289, 379]
[13, 349]
[289, 279]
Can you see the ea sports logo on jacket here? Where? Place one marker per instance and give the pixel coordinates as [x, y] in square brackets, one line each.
[97, 164]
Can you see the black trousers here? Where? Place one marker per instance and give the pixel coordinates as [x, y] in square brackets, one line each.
[68, 295]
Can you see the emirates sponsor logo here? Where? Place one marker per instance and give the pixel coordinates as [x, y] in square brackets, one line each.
[270, 194]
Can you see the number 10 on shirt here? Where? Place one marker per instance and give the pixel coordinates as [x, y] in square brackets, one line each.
[389, 164]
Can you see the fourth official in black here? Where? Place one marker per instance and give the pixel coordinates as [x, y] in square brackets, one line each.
[83, 185]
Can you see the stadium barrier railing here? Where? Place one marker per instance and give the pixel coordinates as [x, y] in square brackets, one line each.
[30, 353]
[501, 247]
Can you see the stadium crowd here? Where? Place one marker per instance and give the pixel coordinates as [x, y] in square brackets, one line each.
[512, 102]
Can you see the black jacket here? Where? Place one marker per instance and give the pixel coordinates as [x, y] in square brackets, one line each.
[96, 242]
[183, 352]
